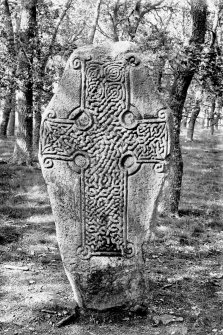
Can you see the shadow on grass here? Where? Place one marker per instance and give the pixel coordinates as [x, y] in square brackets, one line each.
[8, 234]
[191, 212]
[47, 228]
[24, 213]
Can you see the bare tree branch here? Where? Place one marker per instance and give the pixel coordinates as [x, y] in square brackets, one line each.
[66, 8]
[95, 23]
[149, 7]
[9, 28]
[216, 21]
[24, 52]
[138, 14]
[104, 33]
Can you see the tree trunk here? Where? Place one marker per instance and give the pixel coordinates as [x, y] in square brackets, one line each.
[23, 146]
[184, 122]
[203, 119]
[11, 48]
[11, 124]
[178, 93]
[6, 114]
[194, 114]
[114, 21]
[185, 116]
[218, 109]
[174, 182]
[27, 33]
[36, 129]
[208, 120]
[211, 117]
[161, 65]
[9, 30]
[95, 22]
[217, 121]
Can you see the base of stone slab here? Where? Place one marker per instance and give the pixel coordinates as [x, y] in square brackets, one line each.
[115, 314]
[103, 289]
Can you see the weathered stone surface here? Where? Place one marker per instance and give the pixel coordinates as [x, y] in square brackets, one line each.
[105, 143]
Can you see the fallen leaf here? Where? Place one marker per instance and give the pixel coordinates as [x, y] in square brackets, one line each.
[165, 319]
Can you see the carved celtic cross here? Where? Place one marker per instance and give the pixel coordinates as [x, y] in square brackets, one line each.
[107, 140]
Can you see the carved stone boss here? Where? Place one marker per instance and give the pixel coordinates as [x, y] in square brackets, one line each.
[107, 140]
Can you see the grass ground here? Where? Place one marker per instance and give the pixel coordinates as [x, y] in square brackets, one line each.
[184, 261]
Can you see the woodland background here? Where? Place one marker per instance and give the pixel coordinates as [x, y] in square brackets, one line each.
[181, 41]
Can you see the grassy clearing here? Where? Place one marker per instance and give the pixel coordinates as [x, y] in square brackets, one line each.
[184, 259]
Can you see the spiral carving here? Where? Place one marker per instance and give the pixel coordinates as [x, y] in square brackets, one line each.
[93, 71]
[129, 250]
[115, 91]
[51, 115]
[48, 163]
[84, 252]
[114, 72]
[132, 59]
[76, 63]
[162, 114]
